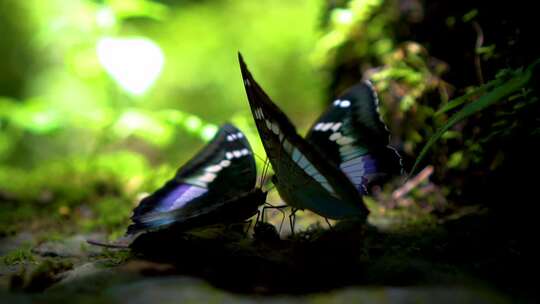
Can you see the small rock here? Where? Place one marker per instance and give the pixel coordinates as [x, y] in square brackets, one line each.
[81, 272]
[90, 279]
[75, 246]
[8, 244]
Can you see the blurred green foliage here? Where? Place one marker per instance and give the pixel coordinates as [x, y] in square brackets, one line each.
[75, 92]
[101, 101]
[501, 89]
[357, 29]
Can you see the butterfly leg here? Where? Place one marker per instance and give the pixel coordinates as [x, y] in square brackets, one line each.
[278, 208]
[259, 217]
[250, 222]
[328, 223]
[292, 219]
[282, 220]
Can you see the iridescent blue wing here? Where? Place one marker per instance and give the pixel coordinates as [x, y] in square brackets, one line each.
[221, 172]
[303, 177]
[351, 134]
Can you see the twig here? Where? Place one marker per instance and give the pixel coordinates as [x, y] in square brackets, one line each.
[412, 183]
[479, 43]
[117, 245]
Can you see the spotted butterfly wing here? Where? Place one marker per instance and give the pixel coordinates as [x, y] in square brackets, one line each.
[217, 185]
[303, 177]
[351, 134]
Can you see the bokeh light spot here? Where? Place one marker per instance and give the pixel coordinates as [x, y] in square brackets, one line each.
[134, 63]
[208, 132]
[193, 123]
[105, 17]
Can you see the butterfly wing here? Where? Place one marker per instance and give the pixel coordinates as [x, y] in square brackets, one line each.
[303, 177]
[351, 134]
[222, 171]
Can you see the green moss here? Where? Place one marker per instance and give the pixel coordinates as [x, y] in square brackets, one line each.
[19, 256]
[46, 274]
[404, 219]
[114, 257]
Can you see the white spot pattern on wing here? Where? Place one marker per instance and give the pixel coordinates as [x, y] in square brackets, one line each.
[335, 136]
[275, 128]
[345, 103]
[336, 126]
[345, 140]
[213, 168]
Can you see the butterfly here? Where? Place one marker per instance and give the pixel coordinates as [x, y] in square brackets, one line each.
[352, 134]
[345, 151]
[304, 178]
[218, 185]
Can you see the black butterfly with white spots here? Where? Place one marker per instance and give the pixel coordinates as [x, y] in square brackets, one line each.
[304, 177]
[352, 135]
[218, 185]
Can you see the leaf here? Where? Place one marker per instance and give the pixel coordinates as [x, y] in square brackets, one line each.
[462, 99]
[504, 90]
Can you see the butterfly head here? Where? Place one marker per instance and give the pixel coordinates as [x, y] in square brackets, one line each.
[260, 195]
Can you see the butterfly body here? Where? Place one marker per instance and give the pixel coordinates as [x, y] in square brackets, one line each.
[304, 178]
[216, 186]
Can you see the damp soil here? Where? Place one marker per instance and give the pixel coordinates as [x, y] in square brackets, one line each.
[470, 251]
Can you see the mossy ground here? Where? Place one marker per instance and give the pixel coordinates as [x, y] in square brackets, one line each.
[471, 250]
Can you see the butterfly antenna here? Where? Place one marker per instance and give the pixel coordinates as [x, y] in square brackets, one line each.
[265, 171]
[266, 167]
[260, 158]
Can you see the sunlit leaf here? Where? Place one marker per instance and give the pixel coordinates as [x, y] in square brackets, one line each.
[464, 98]
[455, 159]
